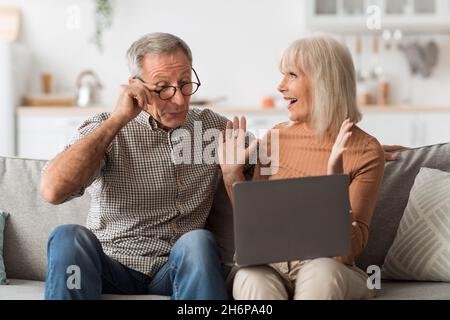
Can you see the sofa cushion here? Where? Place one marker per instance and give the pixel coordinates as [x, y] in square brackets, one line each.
[3, 279]
[22, 290]
[398, 180]
[411, 290]
[31, 219]
[220, 223]
[390, 290]
[34, 290]
[421, 248]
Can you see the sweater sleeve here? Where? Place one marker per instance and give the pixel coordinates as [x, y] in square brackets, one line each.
[363, 192]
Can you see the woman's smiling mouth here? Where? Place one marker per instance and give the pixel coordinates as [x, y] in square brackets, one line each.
[291, 101]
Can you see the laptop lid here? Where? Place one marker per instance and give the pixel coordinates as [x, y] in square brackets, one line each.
[293, 219]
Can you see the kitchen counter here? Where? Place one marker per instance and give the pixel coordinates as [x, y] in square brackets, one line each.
[61, 111]
[43, 131]
[365, 109]
[404, 109]
[77, 111]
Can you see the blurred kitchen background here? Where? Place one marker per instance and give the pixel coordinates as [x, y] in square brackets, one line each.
[63, 60]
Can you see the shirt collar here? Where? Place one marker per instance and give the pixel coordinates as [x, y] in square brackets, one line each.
[188, 123]
[147, 120]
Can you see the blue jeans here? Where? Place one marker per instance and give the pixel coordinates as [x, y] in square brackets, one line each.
[194, 270]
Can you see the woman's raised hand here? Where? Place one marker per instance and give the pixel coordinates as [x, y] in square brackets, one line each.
[232, 151]
[335, 163]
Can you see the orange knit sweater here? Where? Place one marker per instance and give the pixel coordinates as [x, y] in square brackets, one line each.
[302, 154]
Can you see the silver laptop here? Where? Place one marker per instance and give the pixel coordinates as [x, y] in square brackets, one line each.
[293, 219]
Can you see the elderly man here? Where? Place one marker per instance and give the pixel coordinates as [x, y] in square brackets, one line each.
[145, 226]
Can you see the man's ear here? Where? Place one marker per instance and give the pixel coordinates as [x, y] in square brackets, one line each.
[130, 80]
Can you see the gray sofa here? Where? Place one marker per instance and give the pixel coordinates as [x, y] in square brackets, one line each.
[31, 221]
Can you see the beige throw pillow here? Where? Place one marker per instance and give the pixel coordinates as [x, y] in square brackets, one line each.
[421, 249]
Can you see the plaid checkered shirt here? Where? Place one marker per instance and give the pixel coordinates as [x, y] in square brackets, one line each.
[142, 200]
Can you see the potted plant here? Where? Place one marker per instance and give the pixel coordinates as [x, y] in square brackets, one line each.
[103, 20]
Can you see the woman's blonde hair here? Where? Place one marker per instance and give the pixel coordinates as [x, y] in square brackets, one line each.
[329, 66]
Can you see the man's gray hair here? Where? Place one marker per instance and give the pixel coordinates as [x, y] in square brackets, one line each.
[154, 43]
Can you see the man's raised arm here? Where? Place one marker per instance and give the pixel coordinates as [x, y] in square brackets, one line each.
[74, 168]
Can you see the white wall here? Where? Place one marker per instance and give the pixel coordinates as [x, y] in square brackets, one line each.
[236, 45]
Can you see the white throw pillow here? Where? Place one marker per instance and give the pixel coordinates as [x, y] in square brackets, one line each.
[421, 249]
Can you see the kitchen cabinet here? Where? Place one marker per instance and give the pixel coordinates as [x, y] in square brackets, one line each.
[259, 122]
[42, 137]
[391, 128]
[356, 15]
[435, 128]
[410, 128]
[43, 132]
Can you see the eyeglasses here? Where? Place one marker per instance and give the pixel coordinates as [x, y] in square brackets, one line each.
[167, 92]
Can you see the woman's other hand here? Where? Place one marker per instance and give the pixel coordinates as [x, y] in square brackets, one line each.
[335, 163]
[388, 152]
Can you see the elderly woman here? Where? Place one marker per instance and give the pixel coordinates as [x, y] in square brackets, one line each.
[321, 138]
